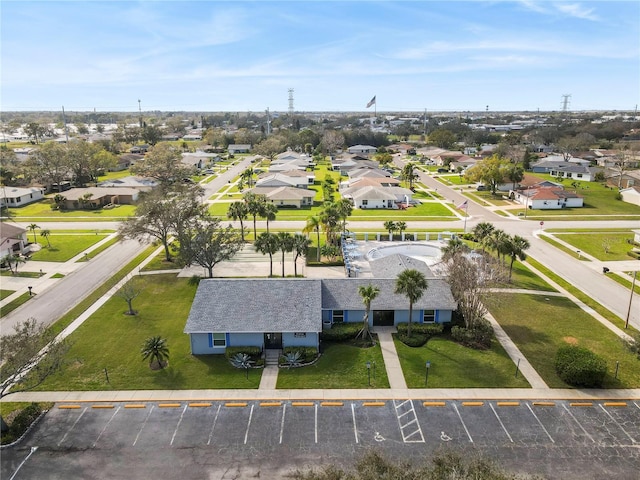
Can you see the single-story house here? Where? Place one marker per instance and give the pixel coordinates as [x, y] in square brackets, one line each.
[140, 149]
[371, 197]
[96, 197]
[278, 313]
[17, 196]
[627, 179]
[363, 149]
[239, 148]
[293, 178]
[13, 239]
[547, 198]
[631, 195]
[292, 164]
[126, 160]
[199, 160]
[574, 172]
[192, 137]
[371, 181]
[368, 172]
[144, 183]
[346, 164]
[546, 164]
[287, 196]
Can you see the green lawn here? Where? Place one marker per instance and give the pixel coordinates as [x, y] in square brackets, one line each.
[109, 339]
[340, 366]
[64, 247]
[114, 175]
[99, 250]
[455, 366]
[5, 293]
[522, 277]
[11, 306]
[539, 325]
[594, 244]
[42, 211]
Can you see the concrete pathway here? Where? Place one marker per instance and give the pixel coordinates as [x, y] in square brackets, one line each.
[390, 356]
[269, 378]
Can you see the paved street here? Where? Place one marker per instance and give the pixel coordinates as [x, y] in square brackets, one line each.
[209, 439]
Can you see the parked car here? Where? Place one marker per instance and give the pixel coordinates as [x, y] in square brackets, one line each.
[443, 170]
[481, 188]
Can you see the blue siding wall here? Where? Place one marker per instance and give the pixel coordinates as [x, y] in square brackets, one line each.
[443, 316]
[290, 340]
[200, 345]
[245, 340]
[356, 316]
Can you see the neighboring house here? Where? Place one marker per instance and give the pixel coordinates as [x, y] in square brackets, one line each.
[287, 196]
[97, 197]
[450, 157]
[292, 164]
[551, 162]
[345, 164]
[631, 195]
[362, 149]
[575, 172]
[126, 160]
[13, 239]
[629, 178]
[17, 196]
[239, 148]
[547, 198]
[199, 160]
[293, 178]
[371, 197]
[130, 182]
[279, 313]
[192, 137]
[367, 172]
[370, 181]
[140, 149]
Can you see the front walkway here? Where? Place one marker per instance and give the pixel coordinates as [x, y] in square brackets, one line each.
[390, 356]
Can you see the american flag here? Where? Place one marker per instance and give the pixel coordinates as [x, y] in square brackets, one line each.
[371, 102]
[463, 204]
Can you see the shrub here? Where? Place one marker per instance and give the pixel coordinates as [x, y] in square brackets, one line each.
[479, 336]
[307, 354]
[415, 340]
[633, 344]
[429, 329]
[21, 422]
[254, 352]
[580, 367]
[341, 332]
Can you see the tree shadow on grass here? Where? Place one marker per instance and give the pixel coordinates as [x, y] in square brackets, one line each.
[169, 378]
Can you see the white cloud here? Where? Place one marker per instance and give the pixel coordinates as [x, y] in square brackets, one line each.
[577, 10]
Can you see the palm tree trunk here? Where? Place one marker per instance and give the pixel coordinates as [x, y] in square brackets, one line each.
[242, 230]
[318, 251]
[270, 264]
[410, 315]
[283, 264]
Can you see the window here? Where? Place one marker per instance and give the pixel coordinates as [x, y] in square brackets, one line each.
[338, 316]
[217, 340]
[365, 202]
[300, 334]
[429, 316]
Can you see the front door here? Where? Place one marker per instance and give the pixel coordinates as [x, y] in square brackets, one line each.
[383, 318]
[273, 340]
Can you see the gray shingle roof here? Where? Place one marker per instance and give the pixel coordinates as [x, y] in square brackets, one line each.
[342, 294]
[391, 265]
[256, 305]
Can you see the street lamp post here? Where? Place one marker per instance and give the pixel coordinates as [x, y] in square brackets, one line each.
[633, 286]
[426, 377]
[369, 372]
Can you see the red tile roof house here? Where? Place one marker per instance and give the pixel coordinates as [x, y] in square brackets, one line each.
[548, 197]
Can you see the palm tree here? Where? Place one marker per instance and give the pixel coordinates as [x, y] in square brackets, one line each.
[368, 293]
[247, 176]
[255, 204]
[408, 175]
[515, 248]
[285, 244]
[390, 226]
[301, 246]
[269, 212]
[267, 243]
[454, 246]
[330, 218]
[155, 348]
[412, 284]
[32, 228]
[498, 240]
[313, 225]
[401, 227]
[481, 232]
[46, 233]
[345, 207]
[238, 212]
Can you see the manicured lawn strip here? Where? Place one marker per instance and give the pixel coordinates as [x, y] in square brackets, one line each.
[11, 306]
[562, 247]
[593, 244]
[522, 277]
[580, 295]
[5, 293]
[7, 273]
[76, 311]
[100, 249]
[340, 366]
[163, 307]
[539, 325]
[455, 366]
[159, 262]
[114, 175]
[626, 283]
[64, 247]
[42, 211]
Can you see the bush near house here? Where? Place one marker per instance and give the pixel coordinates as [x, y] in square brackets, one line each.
[415, 340]
[430, 329]
[307, 354]
[580, 366]
[479, 336]
[341, 332]
[254, 353]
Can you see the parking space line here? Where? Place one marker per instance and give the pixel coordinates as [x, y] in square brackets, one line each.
[618, 424]
[579, 424]
[246, 434]
[412, 411]
[215, 419]
[353, 415]
[636, 404]
[71, 427]
[462, 422]
[143, 424]
[540, 423]
[316, 423]
[33, 450]
[501, 424]
[178, 426]
[284, 410]
[105, 427]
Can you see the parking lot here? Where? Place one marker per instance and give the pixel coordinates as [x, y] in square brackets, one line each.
[517, 431]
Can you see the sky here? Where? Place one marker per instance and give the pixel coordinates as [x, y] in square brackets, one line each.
[244, 55]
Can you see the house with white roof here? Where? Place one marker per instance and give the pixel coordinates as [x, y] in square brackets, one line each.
[13, 239]
[294, 178]
[18, 197]
[547, 197]
[362, 149]
[286, 196]
[631, 195]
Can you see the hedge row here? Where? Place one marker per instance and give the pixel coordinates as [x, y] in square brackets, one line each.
[479, 336]
[340, 332]
[580, 367]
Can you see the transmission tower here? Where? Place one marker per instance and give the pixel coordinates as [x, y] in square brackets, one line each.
[565, 102]
[290, 102]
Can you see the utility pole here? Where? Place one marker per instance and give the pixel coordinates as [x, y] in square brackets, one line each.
[268, 122]
[425, 123]
[633, 286]
[140, 110]
[565, 102]
[66, 130]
